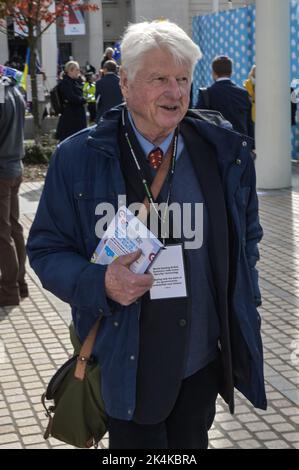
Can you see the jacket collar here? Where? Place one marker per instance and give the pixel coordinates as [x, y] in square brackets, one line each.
[104, 136]
[226, 81]
[229, 145]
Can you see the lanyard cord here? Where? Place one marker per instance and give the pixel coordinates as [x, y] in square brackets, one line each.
[147, 189]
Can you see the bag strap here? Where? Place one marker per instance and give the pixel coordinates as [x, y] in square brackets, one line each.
[85, 351]
[157, 183]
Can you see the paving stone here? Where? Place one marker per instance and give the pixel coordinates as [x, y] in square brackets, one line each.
[239, 435]
[247, 418]
[26, 421]
[280, 403]
[35, 399]
[8, 438]
[291, 436]
[37, 446]
[11, 392]
[295, 419]
[27, 430]
[266, 435]
[274, 419]
[215, 434]
[6, 385]
[250, 444]
[257, 426]
[20, 406]
[224, 417]
[283, 427]
[222, 443]
[274, 396]
[5, 420]
[231, 425]
[242, 409]
[33, 439]
[290, 411]
[277, 444]
[16, 398]
[6, 428]
[15, 445]
[269, 410]
[23, 413]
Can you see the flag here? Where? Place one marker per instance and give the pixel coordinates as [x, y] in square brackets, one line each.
[26, 69]
[116, 52]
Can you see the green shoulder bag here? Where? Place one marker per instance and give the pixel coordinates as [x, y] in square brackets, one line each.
[78, 415]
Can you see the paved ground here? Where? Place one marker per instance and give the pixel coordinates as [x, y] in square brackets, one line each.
[34, 343]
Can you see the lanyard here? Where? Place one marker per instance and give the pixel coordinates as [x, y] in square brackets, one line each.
[146, 186]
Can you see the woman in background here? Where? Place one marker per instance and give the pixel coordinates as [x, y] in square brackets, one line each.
[73, 117]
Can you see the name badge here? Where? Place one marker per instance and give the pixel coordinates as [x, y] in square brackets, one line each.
[169, 274]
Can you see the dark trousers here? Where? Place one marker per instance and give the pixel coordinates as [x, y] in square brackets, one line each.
[92, 112]
[12, 246]
[188, 423]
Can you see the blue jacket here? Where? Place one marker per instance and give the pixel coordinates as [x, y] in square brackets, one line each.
[232, 102]
[85, 171]
[108, 93]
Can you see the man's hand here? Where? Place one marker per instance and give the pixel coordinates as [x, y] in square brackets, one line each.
[124, 286]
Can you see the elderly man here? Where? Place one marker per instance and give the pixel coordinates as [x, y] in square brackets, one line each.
[163, 359]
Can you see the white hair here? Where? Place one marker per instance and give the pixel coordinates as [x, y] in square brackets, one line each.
[108, 49]
[70, 65]
[140, 38]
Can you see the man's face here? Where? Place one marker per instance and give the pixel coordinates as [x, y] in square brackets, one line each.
[158, 96]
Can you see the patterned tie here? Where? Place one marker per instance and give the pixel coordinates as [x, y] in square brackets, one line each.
[155, 158]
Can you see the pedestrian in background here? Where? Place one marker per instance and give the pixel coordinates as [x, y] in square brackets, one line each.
[108, 92]
[13, 286]
[73, 117]
[225, 96]
[108, 54]
[89, 94]
[249, 84]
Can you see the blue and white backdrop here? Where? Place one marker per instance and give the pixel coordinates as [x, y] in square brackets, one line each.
[233, 33]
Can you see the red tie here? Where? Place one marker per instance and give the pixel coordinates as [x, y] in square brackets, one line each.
[155, 158]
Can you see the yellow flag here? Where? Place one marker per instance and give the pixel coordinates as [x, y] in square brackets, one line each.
[26, 69]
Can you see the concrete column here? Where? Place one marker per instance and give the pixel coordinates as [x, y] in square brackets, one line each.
[96, 36]
[173, 10]
[215, 6]
[49, 54]
[3, 47]
[273, 120]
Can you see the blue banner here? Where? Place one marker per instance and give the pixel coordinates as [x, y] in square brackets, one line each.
[232, 33]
